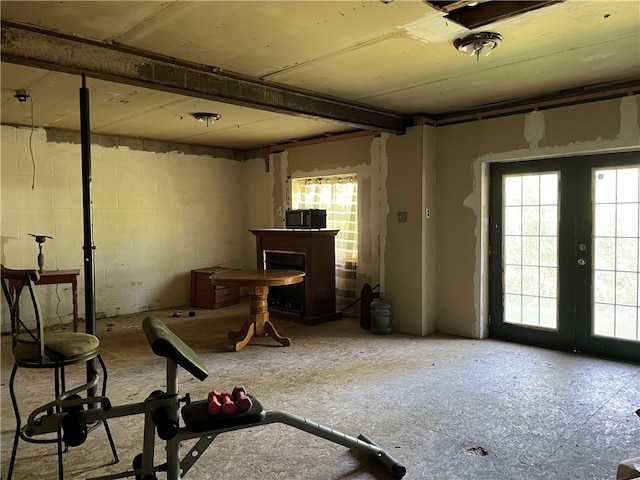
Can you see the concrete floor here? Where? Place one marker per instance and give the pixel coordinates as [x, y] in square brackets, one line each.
[436, 403]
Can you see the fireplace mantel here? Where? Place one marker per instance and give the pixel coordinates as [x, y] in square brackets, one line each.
[318, 247]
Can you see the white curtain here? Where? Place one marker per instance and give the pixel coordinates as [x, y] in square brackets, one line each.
[338, 195]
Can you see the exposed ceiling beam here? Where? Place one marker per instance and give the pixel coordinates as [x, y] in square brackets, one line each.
[48, 50]
[322, 139]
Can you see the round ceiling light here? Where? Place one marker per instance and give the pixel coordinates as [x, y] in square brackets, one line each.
[478, 43]
[206, 117]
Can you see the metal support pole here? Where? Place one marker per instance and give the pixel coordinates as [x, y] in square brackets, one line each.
[89, 297]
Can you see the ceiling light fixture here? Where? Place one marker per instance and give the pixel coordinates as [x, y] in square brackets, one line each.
[206, 117]
[21, 95]
[478, 43]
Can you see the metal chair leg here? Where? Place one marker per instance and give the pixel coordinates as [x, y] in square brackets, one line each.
[60, 387]
[60, 451]
[106, 425]
[16, 411]
[18, 422]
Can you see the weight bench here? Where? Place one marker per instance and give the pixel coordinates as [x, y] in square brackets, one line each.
[162, 414]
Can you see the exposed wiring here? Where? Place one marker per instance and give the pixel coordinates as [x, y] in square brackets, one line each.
[356, 300]
[53, 327]
[233, 260]
[22, 96]
[33, 158]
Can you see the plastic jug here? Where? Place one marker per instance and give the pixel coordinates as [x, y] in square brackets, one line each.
[381, 316]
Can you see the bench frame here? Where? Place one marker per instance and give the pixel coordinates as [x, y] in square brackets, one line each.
[162, 415]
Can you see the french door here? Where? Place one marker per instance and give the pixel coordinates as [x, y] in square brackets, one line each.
[565, 253]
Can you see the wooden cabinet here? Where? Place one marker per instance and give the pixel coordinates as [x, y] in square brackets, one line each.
[206, 295]
[313, 301]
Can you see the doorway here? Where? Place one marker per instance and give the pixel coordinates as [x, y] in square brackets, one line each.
[565, 253]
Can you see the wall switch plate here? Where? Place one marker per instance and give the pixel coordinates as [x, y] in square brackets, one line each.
[402, 217]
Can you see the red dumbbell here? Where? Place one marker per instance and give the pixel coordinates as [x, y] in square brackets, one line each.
[212, 395]
[242, 401]
[228, 407]
[215, 407]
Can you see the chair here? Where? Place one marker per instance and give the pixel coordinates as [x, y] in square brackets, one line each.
[35, 348]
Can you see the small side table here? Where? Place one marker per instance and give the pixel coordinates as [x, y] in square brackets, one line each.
[54, 277]
[206, 295]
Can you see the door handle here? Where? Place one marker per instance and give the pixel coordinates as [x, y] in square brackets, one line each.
[582, 261]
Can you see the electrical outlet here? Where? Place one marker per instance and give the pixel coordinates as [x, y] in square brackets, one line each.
[427, 213]
[402, 217]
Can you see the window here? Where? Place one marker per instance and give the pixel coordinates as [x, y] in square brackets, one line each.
[338, 195]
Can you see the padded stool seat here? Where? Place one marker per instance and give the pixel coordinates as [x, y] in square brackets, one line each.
[198, 420]
[59, 348]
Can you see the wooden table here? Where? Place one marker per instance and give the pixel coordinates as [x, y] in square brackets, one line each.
[258, 283]
[54, 277]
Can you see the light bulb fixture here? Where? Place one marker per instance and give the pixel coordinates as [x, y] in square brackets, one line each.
[40, 239]
[478, 43]
[206, 117]
[21, 95]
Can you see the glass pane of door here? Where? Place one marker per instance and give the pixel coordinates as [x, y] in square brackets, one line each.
[616, 232]
[530, 250]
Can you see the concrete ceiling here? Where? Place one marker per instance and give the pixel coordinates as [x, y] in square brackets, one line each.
[283, 71]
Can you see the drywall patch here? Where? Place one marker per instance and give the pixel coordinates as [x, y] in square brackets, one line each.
[286, 193]
[534, 129]
[473, 201]
[152, 146]
[432, 28]
[278, 171]
[629, 118]
[583, 123]
[382, 201]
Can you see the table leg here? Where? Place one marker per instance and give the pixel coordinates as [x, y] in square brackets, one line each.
[13, 288]
[74, 297]
[273, 333]
[258, 323]
[240, 344]
[258, 308]
[240, 333]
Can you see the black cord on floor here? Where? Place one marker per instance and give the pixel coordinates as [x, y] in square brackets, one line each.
[356, 300]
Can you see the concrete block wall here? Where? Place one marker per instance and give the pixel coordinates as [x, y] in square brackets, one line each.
[158, 212]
